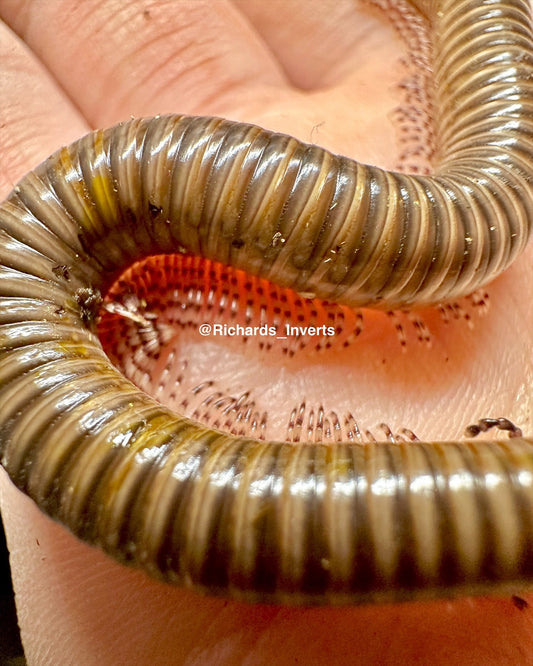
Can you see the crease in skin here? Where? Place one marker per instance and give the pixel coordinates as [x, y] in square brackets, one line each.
[262, 520]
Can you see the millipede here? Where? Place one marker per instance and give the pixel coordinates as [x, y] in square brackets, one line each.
[314, 523]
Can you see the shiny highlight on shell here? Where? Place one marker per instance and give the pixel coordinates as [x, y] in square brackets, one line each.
[260, 520]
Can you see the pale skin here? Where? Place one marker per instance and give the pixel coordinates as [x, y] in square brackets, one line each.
[325, 71]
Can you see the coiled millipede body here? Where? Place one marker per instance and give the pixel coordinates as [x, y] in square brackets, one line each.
[314, 523]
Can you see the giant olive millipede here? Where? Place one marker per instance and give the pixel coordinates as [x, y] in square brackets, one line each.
[314, 523]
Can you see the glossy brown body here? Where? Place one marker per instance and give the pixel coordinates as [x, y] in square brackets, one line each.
[313, 523]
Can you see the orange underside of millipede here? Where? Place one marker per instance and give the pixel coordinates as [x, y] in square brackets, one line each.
[162, 304]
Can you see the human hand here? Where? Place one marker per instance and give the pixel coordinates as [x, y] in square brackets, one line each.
[115, 60]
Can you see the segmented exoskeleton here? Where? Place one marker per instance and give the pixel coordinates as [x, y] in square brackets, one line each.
[314, 523]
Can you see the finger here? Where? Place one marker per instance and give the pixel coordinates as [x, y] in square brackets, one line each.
[120, 59]
[117, 59]
[319, 44]
[36, 115]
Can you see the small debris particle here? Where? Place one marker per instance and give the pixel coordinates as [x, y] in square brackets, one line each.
[61, 271]
[154, 209]
[519, 602]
